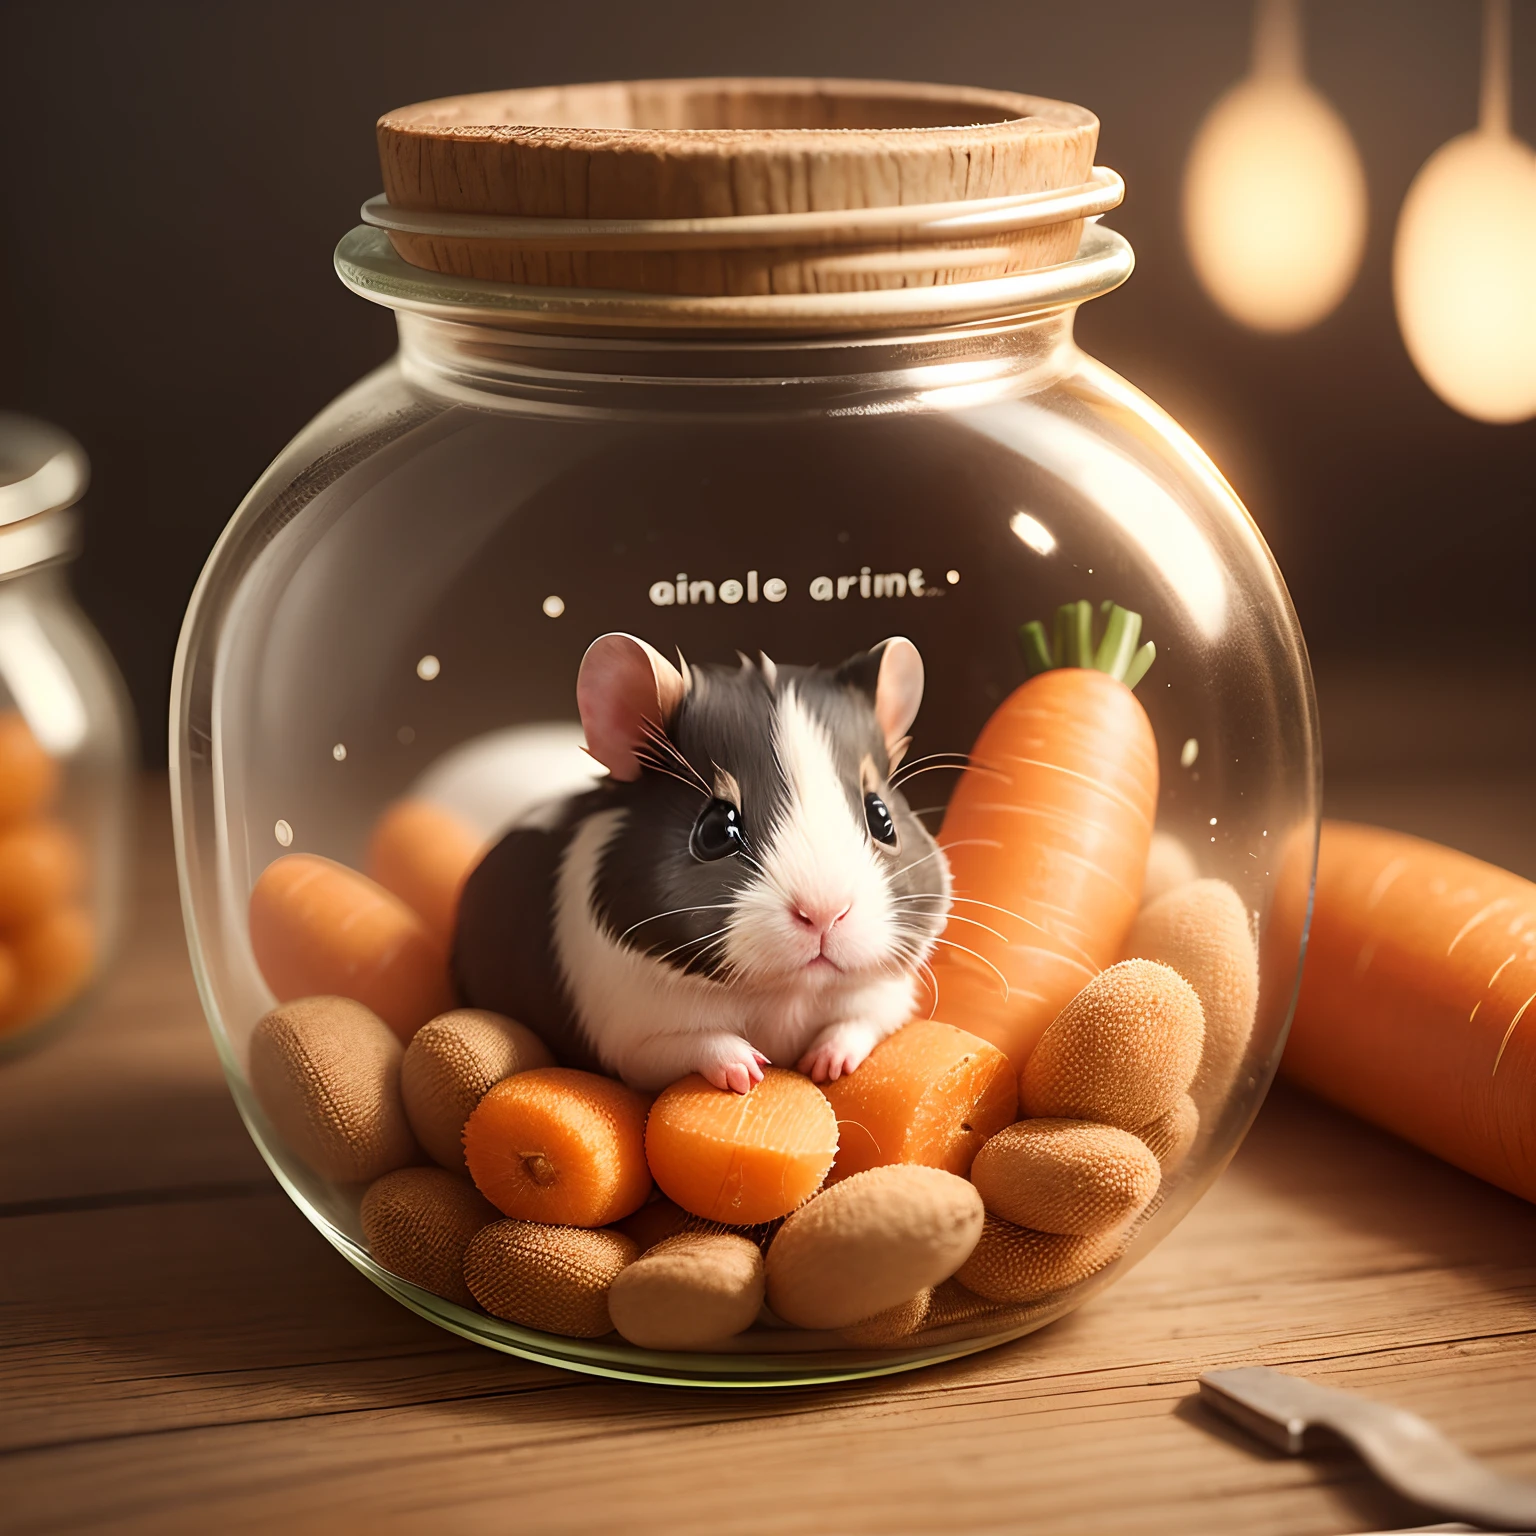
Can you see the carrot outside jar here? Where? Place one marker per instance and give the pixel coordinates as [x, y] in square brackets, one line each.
[779, 368]
[1418, 1004]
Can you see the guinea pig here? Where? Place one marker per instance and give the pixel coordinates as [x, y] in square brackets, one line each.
[746, 886]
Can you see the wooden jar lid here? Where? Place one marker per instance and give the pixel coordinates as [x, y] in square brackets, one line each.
[715, 187]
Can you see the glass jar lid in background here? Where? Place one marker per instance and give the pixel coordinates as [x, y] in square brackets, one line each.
[43, 473]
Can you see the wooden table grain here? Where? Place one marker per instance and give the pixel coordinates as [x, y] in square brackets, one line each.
[181, 1351]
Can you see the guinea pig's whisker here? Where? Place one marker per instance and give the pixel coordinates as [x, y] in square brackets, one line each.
[940, 759]
[927, 765]
[685, 765]
[656, 917]
[751, 862]
[933, 985]
[972, 842]
[929, 757]
[910, 908]
[703, 957]
[991, 906]
[702, 939]
[950, 943]
[666, 746]
[1018, 917]
[964, 843]
[660, 764]
[955, 917]
[901, 779]
[907, 954]
[911, 941]
[656, 767]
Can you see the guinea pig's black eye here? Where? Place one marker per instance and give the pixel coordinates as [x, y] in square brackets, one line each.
[718, 832]
[877, 817]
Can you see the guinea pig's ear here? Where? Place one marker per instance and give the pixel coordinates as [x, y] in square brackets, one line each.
[892, 675]
[625, 687]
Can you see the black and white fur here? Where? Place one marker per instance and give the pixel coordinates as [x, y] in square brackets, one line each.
[605, 931]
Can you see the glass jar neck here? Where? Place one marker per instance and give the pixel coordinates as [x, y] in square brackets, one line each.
[492, 367]
[38, 543]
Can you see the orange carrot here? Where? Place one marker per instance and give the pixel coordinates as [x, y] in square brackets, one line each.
[559, 1146]
[29, 777]
[1047, 833]
[50, 960]
[320, 928]
[424, 854]
[741, 1158]
[1418, 1004]
[929, 1094]
[41, 865]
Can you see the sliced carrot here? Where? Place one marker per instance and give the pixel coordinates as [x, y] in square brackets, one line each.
[424, 854]
[741, 1158]
[1418, 1003]
[559, 1146]
[929, 1094]
[319, 928]
[1047, 835]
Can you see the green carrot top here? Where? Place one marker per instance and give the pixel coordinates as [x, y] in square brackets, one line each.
[1072, 645]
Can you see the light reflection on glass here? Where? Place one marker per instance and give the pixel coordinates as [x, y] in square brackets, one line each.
[1031, 531]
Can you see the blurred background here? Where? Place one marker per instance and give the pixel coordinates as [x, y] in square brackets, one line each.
[178, 176]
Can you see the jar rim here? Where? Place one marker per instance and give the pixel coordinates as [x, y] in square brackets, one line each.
[776, 108]
[737, 185]
[369, 266]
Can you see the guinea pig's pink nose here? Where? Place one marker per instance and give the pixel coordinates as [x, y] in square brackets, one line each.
[821, 917]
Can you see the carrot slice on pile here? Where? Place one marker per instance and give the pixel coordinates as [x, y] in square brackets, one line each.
[929, 1094]
[741, 1158]
[559, 1146]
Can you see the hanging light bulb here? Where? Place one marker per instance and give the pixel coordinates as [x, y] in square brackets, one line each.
[1464, 261]
[1274, 196]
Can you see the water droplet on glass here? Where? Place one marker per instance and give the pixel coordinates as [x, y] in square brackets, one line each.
[339, 752]
[1189, 754]
[283, 833]
[428, 668]
[553, 606]
[952, 577]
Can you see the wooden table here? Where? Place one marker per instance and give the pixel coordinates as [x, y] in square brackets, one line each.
[181, 1351]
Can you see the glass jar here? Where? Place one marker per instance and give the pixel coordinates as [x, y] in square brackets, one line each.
[65, 749]
[399, 612]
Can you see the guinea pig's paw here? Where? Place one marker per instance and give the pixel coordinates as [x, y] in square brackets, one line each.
[837, 1050]
[730, 1063]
